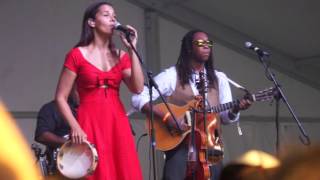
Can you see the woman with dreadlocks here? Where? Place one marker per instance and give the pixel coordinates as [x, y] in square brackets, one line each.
[178, 85]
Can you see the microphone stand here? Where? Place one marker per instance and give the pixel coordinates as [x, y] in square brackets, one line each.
[280, 95]
[151, 84]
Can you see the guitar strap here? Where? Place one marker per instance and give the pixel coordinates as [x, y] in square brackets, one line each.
[236, 85]
[243, 89]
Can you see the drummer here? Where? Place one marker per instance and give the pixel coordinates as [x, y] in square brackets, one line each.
[52, 129]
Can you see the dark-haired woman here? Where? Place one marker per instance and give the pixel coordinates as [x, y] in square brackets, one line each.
[178, 85]
[98, 68]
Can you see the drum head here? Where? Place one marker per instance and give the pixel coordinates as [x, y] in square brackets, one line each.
[76, 160]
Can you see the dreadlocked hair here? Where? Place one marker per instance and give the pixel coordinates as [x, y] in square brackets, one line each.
[183, 65]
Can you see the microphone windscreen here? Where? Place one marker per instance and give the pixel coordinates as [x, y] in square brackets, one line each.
[248, 44]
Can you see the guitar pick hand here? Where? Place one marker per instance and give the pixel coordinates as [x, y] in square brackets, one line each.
[181, 123]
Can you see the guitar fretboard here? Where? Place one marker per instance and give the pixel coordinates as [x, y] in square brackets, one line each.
[226, 106]
[264, 95]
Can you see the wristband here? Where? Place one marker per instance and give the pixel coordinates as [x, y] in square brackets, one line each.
[165, 117]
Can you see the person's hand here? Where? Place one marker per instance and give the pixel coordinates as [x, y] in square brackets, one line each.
[181, 123]
[78, 136]
[244, 104]
[133, 38]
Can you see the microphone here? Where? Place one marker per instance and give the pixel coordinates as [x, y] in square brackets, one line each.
[123, 29]
[260, 52]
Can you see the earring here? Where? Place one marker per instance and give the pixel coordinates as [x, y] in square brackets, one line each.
[91, 22]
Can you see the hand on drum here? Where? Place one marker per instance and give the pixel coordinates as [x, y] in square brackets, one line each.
[78, 136]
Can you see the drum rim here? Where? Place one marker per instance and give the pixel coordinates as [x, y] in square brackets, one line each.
[92, 166]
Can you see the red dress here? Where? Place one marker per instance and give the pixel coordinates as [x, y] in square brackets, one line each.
[102, 116]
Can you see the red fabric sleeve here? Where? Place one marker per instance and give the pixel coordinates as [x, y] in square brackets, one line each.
[125, 61]
[71, 62]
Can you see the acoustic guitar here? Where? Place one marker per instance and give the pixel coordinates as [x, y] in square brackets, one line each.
[167, 138]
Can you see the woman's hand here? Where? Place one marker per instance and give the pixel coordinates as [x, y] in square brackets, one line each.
[133, 38]
[78, 136]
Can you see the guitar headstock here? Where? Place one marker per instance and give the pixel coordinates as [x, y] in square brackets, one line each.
[264, 95]
[201, 83]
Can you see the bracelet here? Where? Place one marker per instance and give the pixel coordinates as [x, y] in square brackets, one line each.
[165, 117]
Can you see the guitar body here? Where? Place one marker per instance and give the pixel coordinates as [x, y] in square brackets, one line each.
[166, 139]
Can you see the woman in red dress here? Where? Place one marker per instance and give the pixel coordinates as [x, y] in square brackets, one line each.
[97, 68]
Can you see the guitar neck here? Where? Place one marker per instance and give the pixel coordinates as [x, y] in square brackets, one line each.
[263, 95]
[226, 106]
[232, 104]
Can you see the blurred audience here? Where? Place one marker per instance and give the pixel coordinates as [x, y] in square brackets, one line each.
[253, 165]
[300, 164]
[296, 164]
[16, 159]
